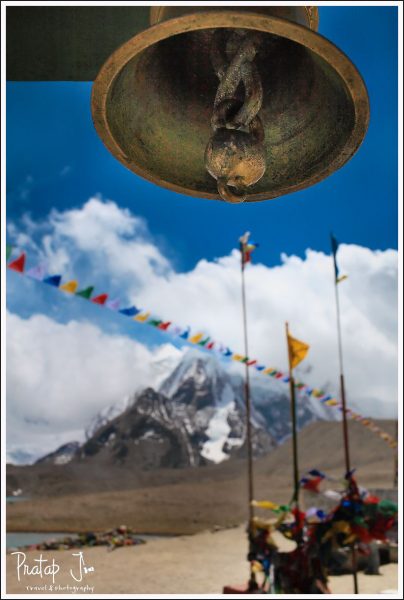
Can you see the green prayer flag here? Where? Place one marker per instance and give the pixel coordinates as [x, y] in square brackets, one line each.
[9, 250]
[387, 507]
[86, 293]
[154, 322]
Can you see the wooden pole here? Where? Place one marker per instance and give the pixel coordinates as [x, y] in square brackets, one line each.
[395, 480]
[247, 399]
[344, 419]
[296, 479]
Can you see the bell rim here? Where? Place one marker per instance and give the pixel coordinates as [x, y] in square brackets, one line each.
[300, 34]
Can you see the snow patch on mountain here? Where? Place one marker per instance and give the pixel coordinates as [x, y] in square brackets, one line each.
[219, 429]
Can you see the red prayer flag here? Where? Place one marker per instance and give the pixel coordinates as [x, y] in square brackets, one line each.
[18, 264]
[164, 326]
[312, 484]
[101, 299]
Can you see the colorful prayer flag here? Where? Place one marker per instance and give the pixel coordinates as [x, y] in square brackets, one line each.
[53, 280]
[142, 318]
[154, 322]
[185, 334]
[334, 247]
[196, 338]
[86, 293]
[101, 299]
[297, 351]
[113, 304]
[267, 504]
[37, 272]
[312, 482]
[18, 264]
[246, 248]
[131, 311]
[70, 287]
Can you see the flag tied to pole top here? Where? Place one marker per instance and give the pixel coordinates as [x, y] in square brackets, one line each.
[334, 247]
[297, 351]
[246, 248]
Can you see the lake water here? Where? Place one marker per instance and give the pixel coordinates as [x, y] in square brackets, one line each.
[24, 538]
[11, 499]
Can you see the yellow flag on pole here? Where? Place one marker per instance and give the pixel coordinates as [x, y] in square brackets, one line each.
[297, 351]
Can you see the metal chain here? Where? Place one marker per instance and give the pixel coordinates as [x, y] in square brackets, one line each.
[232, 58]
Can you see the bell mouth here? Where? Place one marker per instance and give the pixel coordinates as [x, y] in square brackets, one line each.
[152, 103]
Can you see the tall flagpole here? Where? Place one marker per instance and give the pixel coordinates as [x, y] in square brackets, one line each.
[343, 401]
[395, 480]
[247, 405]
[296, 485]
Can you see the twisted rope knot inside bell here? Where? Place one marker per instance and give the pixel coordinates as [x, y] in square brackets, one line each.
[272, 106]
[235, 154]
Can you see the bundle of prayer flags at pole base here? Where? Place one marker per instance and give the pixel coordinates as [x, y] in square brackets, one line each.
[199, 338]
[357, 518]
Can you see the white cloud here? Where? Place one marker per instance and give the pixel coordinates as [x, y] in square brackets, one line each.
[119, 249]
[60, 376]
[113, 241]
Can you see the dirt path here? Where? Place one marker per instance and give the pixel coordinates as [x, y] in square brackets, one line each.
[198, 564]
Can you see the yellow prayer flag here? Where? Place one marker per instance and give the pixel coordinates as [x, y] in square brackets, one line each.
[256, 567]
[70, 287]
[297, 351]
[142, 318]
[196, 338]
[238, 357]
[265, 504]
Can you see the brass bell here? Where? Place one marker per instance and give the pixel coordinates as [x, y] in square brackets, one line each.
[235, 103]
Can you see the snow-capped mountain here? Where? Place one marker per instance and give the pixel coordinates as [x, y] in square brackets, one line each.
[194, 414]
[165, 359]
[205, 399]
[62, 455]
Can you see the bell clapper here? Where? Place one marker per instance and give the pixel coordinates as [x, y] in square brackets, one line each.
[235, 154]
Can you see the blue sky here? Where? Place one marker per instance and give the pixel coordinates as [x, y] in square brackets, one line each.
[72, 204]
[55, 159]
